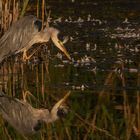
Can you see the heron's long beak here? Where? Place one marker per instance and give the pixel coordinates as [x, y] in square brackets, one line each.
[60, 45]
[60, 102]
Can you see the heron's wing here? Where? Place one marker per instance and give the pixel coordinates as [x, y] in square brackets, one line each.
[18, 114]
[28, 26]
[18, 35]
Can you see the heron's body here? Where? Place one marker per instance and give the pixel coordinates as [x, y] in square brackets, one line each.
[23, 117]
[12, 110]
[15, 35]
[24, 33]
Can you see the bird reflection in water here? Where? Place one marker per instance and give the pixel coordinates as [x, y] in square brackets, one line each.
[26, 119]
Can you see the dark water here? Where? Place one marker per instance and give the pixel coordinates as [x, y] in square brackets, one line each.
[103, 76]
[101, 34]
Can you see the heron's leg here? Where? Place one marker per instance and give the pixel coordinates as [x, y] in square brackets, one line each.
[24, 96]
[26, 93]
[25, 57]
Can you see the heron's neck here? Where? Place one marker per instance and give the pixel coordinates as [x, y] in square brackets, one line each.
[47, 116]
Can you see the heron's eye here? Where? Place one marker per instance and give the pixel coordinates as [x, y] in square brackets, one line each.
[38, 25]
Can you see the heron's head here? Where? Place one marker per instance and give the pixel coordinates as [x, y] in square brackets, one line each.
[62, 111]
[59, 44]
[59, 110]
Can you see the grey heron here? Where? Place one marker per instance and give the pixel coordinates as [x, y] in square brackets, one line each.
[24, 33]
[26, 119]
